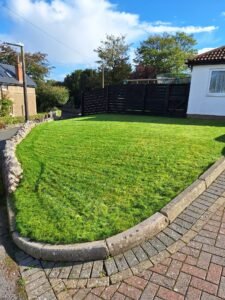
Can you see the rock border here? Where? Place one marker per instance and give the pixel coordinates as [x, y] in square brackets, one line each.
[112, 246]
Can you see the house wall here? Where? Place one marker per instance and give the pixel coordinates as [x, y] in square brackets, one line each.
[200, 102]
[15, 93]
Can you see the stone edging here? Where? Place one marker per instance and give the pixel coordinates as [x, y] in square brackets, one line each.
[185, 198]
[111, 246]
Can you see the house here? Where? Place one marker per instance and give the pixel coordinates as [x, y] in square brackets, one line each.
[11, 85]
[207, 91]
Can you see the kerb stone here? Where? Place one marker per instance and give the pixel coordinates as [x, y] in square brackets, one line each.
[137, 234]
[213, 172]
[183, 200]
[75, 252]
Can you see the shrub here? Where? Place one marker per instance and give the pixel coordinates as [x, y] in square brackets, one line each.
[8, 120]
[5, 106]
[50, 96]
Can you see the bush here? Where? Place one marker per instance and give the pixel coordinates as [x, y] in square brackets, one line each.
[4, 121]
[5, 106]
[50, 96]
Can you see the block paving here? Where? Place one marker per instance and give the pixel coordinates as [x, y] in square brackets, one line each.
[184, 261]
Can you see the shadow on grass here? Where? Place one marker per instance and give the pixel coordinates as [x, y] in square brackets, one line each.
[221, 139]
[136, 118]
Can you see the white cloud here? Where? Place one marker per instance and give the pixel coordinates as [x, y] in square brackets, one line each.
[203, 50]
[161, 23]
[80, 25]
[171, 29]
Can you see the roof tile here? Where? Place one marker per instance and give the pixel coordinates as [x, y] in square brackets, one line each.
[214, 56]
[8, 76]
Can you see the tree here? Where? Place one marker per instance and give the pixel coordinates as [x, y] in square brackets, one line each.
[50, 96]
[79, 81]
[166, 53]
[37, 65]
[143, 72]
[113, 56]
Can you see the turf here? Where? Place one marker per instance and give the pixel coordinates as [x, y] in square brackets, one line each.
[86, 179]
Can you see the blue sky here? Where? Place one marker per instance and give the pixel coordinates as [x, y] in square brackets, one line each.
[69, 30]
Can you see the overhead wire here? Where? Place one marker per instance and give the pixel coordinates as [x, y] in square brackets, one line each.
[44, 32]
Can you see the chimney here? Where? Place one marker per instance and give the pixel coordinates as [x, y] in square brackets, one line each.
[19, 70]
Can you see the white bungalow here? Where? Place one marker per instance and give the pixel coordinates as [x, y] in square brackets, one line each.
[207, 92]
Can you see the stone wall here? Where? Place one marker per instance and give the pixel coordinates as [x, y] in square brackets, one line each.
[12, 170]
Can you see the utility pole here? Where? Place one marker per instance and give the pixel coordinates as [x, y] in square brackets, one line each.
[21, 46]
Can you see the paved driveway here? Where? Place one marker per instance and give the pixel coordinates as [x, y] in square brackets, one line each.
[6, 134]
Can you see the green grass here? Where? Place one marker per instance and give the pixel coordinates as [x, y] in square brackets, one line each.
[89, 178]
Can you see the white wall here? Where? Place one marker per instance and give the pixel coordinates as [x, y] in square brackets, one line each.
[200, 102]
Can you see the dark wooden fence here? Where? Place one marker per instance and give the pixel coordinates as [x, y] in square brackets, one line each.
[158, 99]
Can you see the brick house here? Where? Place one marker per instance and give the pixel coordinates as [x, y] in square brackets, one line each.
[11, 84]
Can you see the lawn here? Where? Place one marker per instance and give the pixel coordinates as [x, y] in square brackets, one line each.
[89, 178]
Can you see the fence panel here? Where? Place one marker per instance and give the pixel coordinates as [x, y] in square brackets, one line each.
[160, 99]
[117, 98]
[156, 100]
[94, 102]
[135, 97]
[178, 98]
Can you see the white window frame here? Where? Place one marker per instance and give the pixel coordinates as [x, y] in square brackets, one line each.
[209, 81]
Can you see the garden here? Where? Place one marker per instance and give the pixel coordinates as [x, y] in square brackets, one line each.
[89, 178]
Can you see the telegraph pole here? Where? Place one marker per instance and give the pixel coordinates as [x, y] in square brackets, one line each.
[21, 46]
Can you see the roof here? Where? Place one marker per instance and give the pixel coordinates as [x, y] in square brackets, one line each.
[214, 57]
[8, 76]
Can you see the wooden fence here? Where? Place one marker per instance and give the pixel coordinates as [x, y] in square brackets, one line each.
[158, 99]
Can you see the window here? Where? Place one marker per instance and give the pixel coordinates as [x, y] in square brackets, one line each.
[217, 83]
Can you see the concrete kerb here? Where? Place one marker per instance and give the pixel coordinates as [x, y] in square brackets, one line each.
[123, 241]
[185, 198]
[61, 253]
[75, 252]
[90, 251]
[213, 172]
[136, 235]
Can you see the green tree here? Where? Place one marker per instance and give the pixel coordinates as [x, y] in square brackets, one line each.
[37, 65]
[50, 96]
[113, 56]
[166, 53]
[79, 81]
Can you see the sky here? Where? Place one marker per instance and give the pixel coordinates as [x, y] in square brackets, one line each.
[69, 30]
